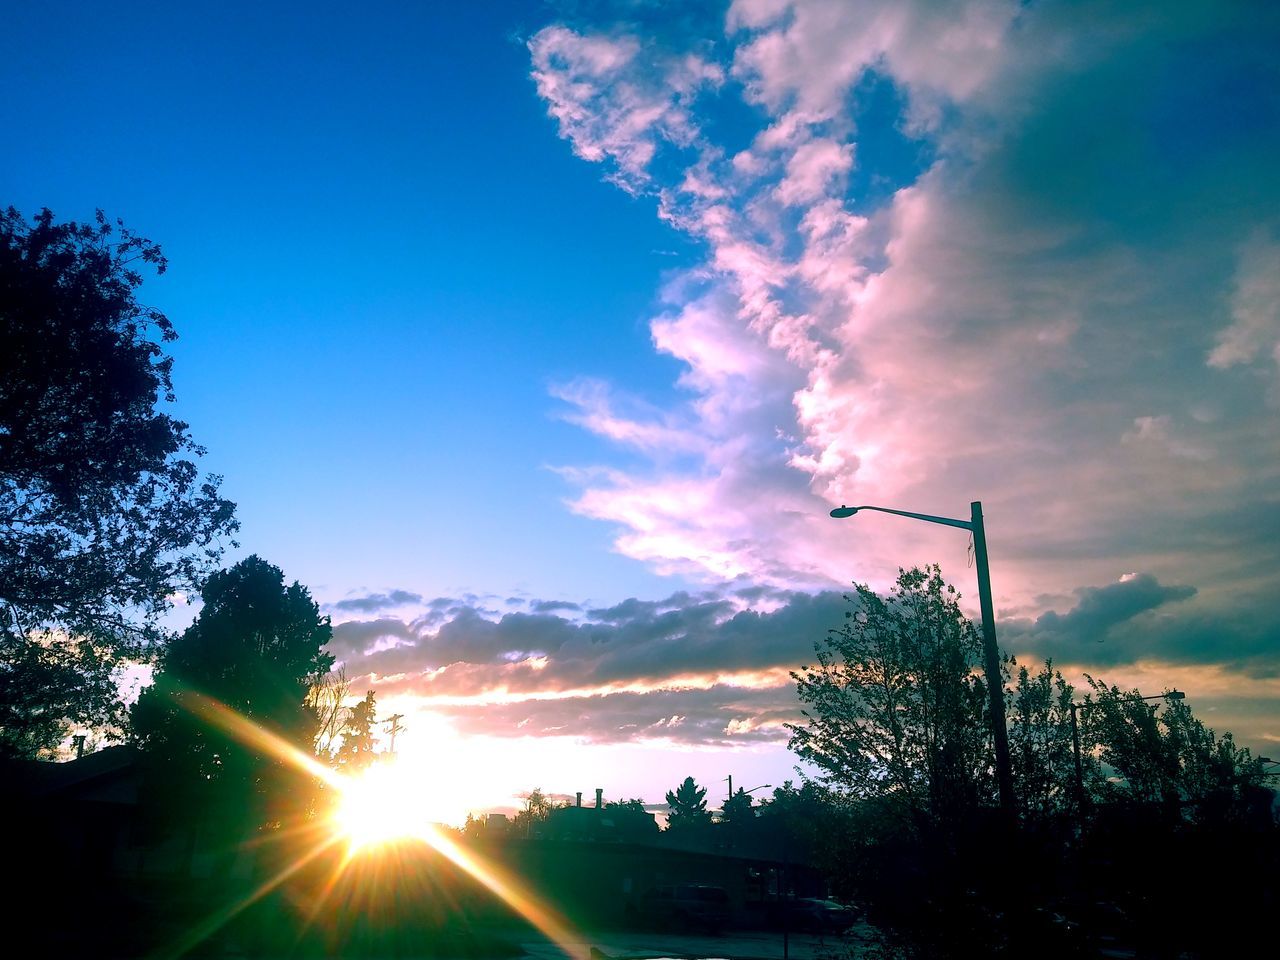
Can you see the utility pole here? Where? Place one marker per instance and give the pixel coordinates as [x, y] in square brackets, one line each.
[991, 658]
[393, 727]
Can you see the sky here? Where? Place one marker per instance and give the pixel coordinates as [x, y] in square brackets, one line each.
[538, 339]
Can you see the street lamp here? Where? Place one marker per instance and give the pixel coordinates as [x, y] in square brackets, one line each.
[752, 790]
[1075, 736]
[991, 653]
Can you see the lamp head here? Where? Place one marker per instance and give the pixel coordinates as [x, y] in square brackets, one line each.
[842, 511]
[1175, 695]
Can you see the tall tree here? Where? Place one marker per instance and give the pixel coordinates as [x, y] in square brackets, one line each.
[687, 806]
[358, 738]
[103, 514]
[1040, 744]
[253, 650]
[326, 698]
[894, 707]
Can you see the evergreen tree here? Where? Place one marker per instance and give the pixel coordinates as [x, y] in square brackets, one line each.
[358, 739]
[687, 807]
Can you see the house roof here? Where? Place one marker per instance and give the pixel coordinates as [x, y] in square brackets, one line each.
[95, 776]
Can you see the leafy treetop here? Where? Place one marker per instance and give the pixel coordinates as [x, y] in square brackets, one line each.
[103, 514]
[255, 650]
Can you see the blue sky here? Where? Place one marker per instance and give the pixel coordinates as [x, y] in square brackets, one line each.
[537, 339]
[373, 273]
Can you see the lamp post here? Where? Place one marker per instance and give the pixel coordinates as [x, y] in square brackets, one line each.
[991, 653]
[752, 790]
[1075, 738]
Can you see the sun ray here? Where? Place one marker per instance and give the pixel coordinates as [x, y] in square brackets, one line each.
[220, 918]
[357, 798]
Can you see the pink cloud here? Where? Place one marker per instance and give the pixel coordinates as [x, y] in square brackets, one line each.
[972, 336]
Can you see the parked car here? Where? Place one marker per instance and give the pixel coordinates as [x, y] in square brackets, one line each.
[813, 915]
[689, 906]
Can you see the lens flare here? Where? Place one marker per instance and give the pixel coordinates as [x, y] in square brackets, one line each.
[381, 806]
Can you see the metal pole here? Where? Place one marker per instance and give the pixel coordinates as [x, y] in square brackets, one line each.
[1075, 746]
[991, 652]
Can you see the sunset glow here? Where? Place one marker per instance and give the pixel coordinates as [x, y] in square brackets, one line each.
[376, 810]
[465, 466]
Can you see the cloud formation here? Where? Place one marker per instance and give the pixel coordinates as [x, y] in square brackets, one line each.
[957, 250]
[714, 668]
[1035, 314]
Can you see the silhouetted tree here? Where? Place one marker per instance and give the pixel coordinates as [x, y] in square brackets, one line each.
[894, 708]
[813, 825]
[687, 806]
[537, 810]
[103, 515]
[250, 654]
[737, 809]
[1158, 753]
[358, 738]
[634, 805]
[1040, 745]
[326, 698]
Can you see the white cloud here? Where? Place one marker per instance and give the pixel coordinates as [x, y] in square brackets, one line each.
[1255, 305]
[613, 99]
[1021, 319]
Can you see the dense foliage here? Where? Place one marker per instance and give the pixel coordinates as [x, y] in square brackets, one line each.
[894, 708]
[252, 654]
[103, 513]
[896, 725]
[358, 737]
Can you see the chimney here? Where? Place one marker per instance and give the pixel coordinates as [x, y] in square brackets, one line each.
[579, 802]
[599, 797]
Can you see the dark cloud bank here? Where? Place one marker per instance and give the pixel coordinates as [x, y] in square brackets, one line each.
[708, 668]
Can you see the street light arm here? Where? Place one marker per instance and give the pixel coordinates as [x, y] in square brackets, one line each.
[842, 511]
[1168, 695]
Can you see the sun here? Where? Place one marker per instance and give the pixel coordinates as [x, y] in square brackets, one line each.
[383, 804]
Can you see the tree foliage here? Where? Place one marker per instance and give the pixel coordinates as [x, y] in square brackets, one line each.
[687, 806]
[895, 722]
[537, 810]
[1040, 745]
[633, 806]
[358, 738]
[103, 514]
[894, 708]
[1157, 753]
[737, 809]
[252, 653]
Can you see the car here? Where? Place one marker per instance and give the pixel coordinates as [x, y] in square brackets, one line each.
[815, 915]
